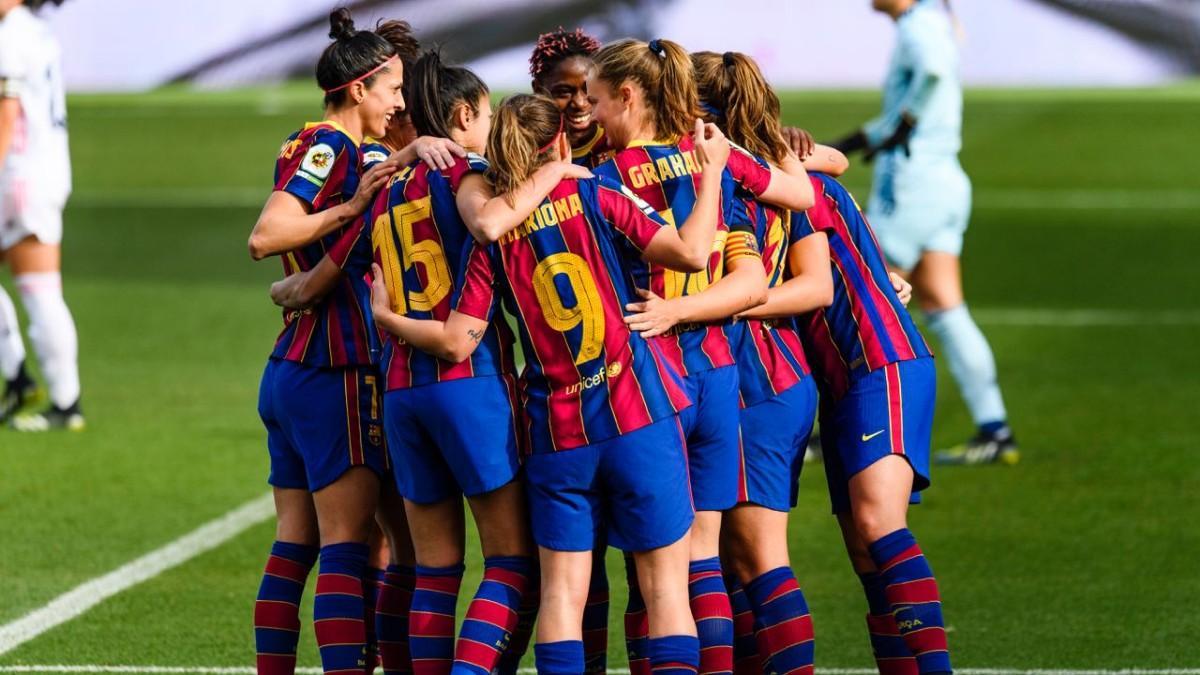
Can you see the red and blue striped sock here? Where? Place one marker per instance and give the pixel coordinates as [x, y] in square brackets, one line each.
[277, 609]
[510, 660]
[785, 631]
[637, 624]
[891, 653]
[372, 580]
[674, 655]
[338, 608]
[713, 614]
[595, 619]
[391, 619]
[559, 658]
[913, 595]
[431, 619]
[492, 615]
[745, 647]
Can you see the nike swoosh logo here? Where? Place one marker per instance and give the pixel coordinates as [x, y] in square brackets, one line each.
[867, 437]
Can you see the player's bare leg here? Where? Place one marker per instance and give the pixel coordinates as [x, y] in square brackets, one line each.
[503, 522]
[755, 541]
[36, 271]
[296, 517]
[937, 282]
[565, 579]
[438, 532]
[896, 577]
[756, 551]
[346, 507]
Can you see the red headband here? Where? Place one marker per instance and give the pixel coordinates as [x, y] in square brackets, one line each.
[555, 138]
[365, 75]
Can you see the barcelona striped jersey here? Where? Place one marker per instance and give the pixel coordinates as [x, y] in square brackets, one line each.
[373, 152]
[565, 275]
[422, 244]
[666, 175]
[770, 354]
[866, 327]
[320, 165]
[594, 151]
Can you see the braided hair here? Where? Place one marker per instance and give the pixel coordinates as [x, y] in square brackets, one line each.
[557, 46]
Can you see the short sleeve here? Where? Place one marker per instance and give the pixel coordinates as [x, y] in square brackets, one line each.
[751, 173]
[817, 218]
[314, 168]
[372, 154]
[629, 214]
[477, 295]
[472, 163]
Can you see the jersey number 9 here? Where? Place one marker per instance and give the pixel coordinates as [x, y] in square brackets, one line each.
[587, 311]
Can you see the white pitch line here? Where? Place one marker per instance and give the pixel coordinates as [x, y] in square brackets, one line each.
[247, 670]
[91, 593]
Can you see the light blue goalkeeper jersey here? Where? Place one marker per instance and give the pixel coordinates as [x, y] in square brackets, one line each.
[923, 81]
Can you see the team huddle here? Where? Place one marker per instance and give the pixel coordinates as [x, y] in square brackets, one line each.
[691, 288]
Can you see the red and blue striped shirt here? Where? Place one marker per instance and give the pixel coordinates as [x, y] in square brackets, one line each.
[866, 327]
[320, 165]
[770, 355]
[422, 244]
[594, 151]
[565, 274]
[667, 175]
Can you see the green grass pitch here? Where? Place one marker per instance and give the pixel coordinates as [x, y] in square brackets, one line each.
[1082, 556]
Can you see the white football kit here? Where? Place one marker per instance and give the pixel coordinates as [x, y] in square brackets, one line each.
[35, 179]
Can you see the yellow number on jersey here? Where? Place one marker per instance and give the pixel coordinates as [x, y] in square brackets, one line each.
[587, 310]
[677, 284]
[427, 253]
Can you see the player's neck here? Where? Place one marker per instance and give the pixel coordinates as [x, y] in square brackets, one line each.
[578, 137]
[348, 121]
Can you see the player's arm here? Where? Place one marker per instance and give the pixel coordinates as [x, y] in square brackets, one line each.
[288, 223]
[786, 186]
[10, 112]
[743, 286]
[813, 155]
[302, 290]
[489, 216]
[453, 340]
[809, 287]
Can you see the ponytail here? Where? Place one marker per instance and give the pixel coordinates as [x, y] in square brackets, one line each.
[355, 55]
[524, 128]
[436, 92]
[737, 98]
[664, 72]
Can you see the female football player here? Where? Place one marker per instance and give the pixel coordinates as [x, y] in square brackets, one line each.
[35, 181]
[778, 397]
[644, 94]
[601, 404]
[559, 66]
[920, 203]
[877, 385]
[319, 394]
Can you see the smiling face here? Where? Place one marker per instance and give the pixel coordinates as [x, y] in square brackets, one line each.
[620, 110]
[567, 85]
[381, 100]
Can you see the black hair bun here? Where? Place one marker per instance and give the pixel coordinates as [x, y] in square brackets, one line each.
[341, 24]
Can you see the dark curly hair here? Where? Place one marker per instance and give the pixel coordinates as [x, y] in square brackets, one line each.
[557, 46]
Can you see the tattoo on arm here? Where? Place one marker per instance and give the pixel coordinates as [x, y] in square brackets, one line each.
[475, 335]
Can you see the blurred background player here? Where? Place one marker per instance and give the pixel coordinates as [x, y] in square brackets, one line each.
[35, 181]
[919, 205]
